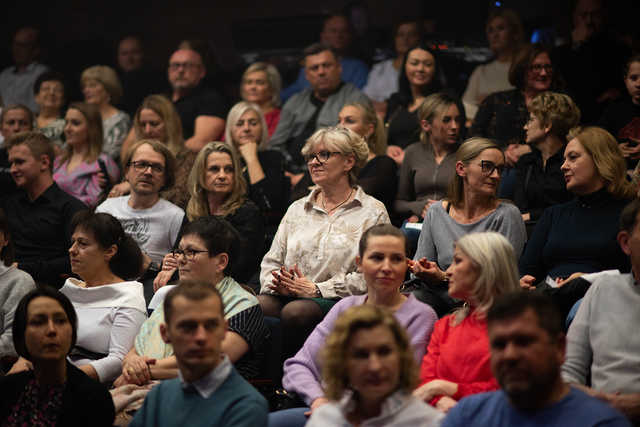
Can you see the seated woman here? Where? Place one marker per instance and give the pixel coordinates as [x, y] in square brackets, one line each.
[157, 119]
[457, 363]
[101, 87]
[311, 263]
[430, 164]
[367, 342]
[207, 252]
[261, 85]
[49, 93]
[579, 236]
[505, 35]
[14, 284]
[382, 261]
[77, 170]
[262, 169]
[471, 206]
[378, 177]
[53, 392]
[539, 180]
[419, 78]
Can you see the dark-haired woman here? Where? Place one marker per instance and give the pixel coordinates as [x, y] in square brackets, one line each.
[54, 392]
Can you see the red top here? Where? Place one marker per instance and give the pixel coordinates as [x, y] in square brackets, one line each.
[272, 118]
[459, 354]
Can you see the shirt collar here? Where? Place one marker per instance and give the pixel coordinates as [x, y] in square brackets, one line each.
[48, 195]
[357, 198]
[208, 384]
[391, 404]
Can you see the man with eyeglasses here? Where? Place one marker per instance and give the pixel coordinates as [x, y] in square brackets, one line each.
[154, 223]
[201, 110]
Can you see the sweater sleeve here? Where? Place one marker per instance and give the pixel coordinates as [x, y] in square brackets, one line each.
[406, 203]
[481, 121]
[531, 260]
[426, 246]
[251, 411]
[283, 131]
[579, 354]
[16, 288]
[513, 228]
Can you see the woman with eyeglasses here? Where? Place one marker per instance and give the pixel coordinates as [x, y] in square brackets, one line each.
[311, 263]
[77, 170]
[471, 206]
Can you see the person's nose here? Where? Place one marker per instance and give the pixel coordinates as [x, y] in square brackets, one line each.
[564, 167]
[147, 128]
[374, 363]
[51, 327]
[200, 334]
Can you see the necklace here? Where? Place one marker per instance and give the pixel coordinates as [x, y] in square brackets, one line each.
[337, 206]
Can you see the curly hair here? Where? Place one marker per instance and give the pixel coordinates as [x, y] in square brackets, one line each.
[556, 110]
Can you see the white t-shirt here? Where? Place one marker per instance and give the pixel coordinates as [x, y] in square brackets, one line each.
[155, 229]
[485, 80]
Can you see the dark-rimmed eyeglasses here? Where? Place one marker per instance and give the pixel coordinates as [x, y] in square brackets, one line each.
[536, 68]
[487, 167]
[141, 166]
[189, 254]
[320, 156]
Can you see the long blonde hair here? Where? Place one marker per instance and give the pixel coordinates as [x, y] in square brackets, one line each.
[164, 108]
[377, 141]
[198, 205]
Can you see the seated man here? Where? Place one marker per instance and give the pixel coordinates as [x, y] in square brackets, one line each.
[209, 390]
[39, 214]
[527, 345]
[13, 119]
[602, 350]
[205, 253]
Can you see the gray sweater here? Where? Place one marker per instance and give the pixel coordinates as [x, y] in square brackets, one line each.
[440, 231]
[602, 337]
[14, 284]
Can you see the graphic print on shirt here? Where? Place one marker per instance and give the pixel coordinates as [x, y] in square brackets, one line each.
[137, 228]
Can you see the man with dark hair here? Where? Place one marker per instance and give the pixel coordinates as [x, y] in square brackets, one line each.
[209, 391]
[13, 119]
[527, 346]
[315, 107]
[602, 348]
[40, 213]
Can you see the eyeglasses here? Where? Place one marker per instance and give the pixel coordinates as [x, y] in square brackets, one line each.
[189, 254]
[174, 66]
[487, 167]
[320, 156]
[141, 166]
[536, 68]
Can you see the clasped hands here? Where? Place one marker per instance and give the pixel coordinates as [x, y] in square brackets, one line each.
[427, 270]
[291, 282]
[135, 370]
[434, 388]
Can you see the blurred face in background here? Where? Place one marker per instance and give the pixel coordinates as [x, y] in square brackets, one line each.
[407, 36]
[130, 54]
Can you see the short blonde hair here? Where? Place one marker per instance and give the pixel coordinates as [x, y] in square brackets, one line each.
[107, 77]
[344, 141]
[164, 108]
[556, 110]
[495, 259]
[377, 142]
[335, 353]
[607, 157]
[198, 205]
[234, 115]
[273, 79]
[91, 114]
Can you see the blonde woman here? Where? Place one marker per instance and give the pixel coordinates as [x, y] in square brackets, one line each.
[261, 85]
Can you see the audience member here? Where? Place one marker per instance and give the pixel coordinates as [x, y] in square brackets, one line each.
[157, 118]
[471, 206]
[13, 119]
[539, 181]
[430, 164]
[14, 284]
[336, 35]
[201, 109]
[262, 169]
[102, 88]
[505, 35]
[54, 392]
[382, 260]
[49, 90]
[591, 60]
[153, 222]
[369, 374]
[622, 119]
[217, 188]
[81, 166]
[601, 352]
[16, 82]
[527, 350]
[419, 78]
[40, 213]
[579, 236]
[261, 84]
[456, 363]
[209, 390]
[383, 78]
[314, 108]
[311, 262]
[379, 176]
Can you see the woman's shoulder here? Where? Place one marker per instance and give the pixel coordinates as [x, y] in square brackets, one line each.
[507, 208]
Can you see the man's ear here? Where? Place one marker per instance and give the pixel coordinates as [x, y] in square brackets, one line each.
[623, 241]
[45, 163]
[164, 333]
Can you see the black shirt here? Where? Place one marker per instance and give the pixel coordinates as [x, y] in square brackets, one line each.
[200, 102]
[7, 184]
[41, 232]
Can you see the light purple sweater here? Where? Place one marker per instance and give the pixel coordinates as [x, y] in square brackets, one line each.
[302, 373]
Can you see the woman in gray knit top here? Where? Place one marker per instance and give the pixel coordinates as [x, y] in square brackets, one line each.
[471, 206]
